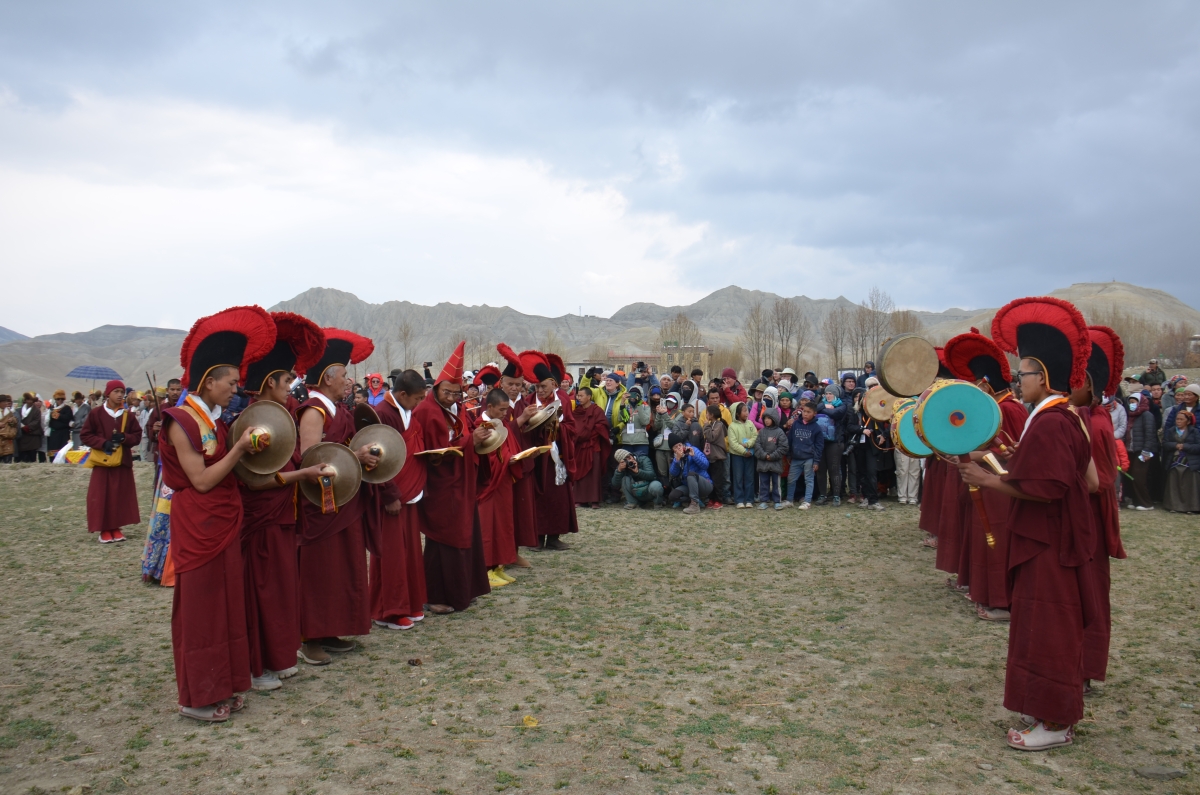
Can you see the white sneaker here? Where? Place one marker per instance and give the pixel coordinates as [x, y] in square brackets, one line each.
[1143, 507]
[804, 506]
[287, 673]
[878, 506]
[268, 681]
[903, 501]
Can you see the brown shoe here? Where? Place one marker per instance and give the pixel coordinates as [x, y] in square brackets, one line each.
[312, 653]
[552, 542]
[692, 509]
[336, 645]
[439, 610]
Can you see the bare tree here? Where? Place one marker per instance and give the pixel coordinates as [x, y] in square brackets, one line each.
[836, 331]
[598, 352]
[757, 337]
[880, 306]
[905, 321]
[861, 327]
[727, 356]
[784, 316]
[408, 336]
[679, 330]
[805, 332]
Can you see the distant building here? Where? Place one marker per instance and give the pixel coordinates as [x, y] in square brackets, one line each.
[689, 357]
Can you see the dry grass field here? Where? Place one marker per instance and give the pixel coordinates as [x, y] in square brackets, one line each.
[736, 652]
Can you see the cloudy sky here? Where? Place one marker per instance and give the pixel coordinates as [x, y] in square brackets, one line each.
[161, 160]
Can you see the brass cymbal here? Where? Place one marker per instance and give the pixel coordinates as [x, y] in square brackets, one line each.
[364, 415]
[495, 439]
[279, 434]
[347, 475]
[391, 449]
[252, 479]
[543, 414]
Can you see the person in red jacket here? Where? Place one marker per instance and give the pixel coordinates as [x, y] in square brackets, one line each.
[732, 391]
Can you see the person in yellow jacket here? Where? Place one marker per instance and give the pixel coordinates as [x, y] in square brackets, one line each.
[740, 442]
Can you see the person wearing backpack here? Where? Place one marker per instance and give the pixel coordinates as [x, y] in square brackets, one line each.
[806, 443]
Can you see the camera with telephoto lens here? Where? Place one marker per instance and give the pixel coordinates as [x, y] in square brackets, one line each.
[634, 397]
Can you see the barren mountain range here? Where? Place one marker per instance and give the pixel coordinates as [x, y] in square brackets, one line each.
[40, 363]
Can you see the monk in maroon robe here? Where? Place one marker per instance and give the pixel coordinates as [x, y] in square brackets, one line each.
[112, 496]
[455, 572]
[1105, 365]
[333, 553]
[397, 572]
[208, 616]
[593, 446]
[1050, 526]
[496, 480]
[524, 514]
[269, 513]
[154, 423]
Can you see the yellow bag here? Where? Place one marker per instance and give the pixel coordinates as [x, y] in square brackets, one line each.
[99, 458]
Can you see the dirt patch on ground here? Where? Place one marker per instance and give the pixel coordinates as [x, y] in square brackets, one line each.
[737, 651]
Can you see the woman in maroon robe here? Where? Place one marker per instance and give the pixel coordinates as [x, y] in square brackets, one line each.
[397, 571]
[1051, 530]
[112, 496]
[333, 552]
[455, 572]
[592, 449]
[208, 616]
[268, 534]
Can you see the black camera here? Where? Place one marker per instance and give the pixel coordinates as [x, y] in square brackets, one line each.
[634, 397]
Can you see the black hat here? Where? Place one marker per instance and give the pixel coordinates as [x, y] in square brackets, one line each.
[676, 438]
[342, 348]
[234, 337]
[299, 343]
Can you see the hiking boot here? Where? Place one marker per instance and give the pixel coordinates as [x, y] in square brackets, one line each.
[312, 653]
[692, 509]
[336, 645]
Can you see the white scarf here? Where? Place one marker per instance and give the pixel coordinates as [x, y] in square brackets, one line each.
[1034, 413]
[329, 404]
[118, 412]
[25, 411]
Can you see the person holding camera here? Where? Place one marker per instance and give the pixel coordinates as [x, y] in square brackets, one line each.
[640, 376]
[666, 419]
[634, 476]
[689, 469]
[631, 419]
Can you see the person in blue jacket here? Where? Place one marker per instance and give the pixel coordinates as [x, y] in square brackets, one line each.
[689, 469]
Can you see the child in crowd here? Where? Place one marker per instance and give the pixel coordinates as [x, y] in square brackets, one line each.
[770, 450]
[807, 443]
[715, 448]
[740, 442]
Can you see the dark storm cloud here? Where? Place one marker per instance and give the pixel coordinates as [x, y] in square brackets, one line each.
[969, 146]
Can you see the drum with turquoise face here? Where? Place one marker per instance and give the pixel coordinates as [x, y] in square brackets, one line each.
[956, 417]
[904, 434]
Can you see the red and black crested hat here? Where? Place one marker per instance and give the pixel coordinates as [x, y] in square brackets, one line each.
[342, 348]
[556, 366]
[943, 368]
[1106, 360]
[535, 367]
[974, 357]
[512, 368]
[1050, 330]
[488, 376]
[299, 342]
[233, 337]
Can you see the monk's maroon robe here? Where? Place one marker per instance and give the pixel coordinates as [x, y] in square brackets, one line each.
[271, 573]
[931, 494]
[1051, 544]
[333, 552]
[397, 572]
[495, 500]
[524, 499]
[984, 566]
[1106, 514]
[553, 504]
[112, 496]
[455, 572]
[208, 613]
[592, 449]
[954, 502]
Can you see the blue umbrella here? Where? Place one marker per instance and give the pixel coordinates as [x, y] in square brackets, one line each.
[95, 372]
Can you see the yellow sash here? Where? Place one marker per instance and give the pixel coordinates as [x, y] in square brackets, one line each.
[99, 458]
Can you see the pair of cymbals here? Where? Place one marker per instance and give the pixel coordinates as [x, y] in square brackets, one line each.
[273, 430]
[348, 473]
[494, 440]
[543, 414]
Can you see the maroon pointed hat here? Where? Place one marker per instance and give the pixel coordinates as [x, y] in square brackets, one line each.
[453, 371]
